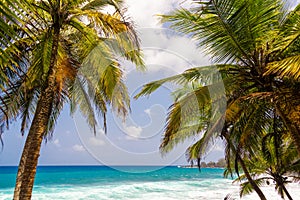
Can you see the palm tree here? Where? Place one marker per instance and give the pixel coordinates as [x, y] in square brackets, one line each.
[200, 112]
[248, 39]
[68, 53]
[276, 160]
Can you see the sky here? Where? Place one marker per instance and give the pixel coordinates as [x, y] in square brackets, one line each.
[135, 141]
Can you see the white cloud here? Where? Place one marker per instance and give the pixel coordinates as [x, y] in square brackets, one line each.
[56, 143]
[167, 51]
[173, 51]
[101, 131]
[96, 142]
[148, 111]
[144, 13]
[133, 132]
[78, 148]
[163, 49]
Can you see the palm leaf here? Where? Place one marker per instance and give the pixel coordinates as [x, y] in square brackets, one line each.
[205, 75]
[227, 28]
[288, 67]
[246, 187]
[80, 97]
[98, 4]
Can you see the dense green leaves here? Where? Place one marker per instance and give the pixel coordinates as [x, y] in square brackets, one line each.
[88, 72]
[276, 160]
[259, 43]
[55, 52]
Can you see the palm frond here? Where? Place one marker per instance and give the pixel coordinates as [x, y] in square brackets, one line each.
[227, 28]
[206, 75]
[246, 187]
[288, 67]
[98, 4]
[198, 150]
[289, 32]
[80, 97]
[184, 109]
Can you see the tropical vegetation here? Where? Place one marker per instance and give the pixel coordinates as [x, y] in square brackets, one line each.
[221, 163]
[57, 52]
[250, 92]
[273, 165]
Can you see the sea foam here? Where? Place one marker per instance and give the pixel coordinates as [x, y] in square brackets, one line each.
[93, 183]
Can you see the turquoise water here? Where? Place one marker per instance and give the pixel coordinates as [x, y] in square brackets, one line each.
[99, 182]
[95, 175]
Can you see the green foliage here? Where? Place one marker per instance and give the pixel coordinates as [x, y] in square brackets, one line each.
[276, 161]
[88, 74]
[259, 43]
[221, 163]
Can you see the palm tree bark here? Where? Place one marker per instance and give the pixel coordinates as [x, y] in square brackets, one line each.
[225, 134]
[251, 181]
[286, 192]
[29, 159]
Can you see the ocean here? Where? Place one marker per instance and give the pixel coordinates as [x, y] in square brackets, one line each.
[101, 182]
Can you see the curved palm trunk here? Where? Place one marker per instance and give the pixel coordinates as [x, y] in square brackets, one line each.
[251, 181]
[261, 195]
[286, 192]
[29, 159]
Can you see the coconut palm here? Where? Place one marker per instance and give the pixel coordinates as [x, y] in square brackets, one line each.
[69, 52]
[246, 40]
[251, 38]
[276, 160]
[200, 112]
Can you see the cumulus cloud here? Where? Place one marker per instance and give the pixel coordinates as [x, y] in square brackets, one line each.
[101, 131]
[147, 111]
[144, 13]
[78, 148]
[163, 48]
[96, 142]
[133, 132]
[167, 51]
